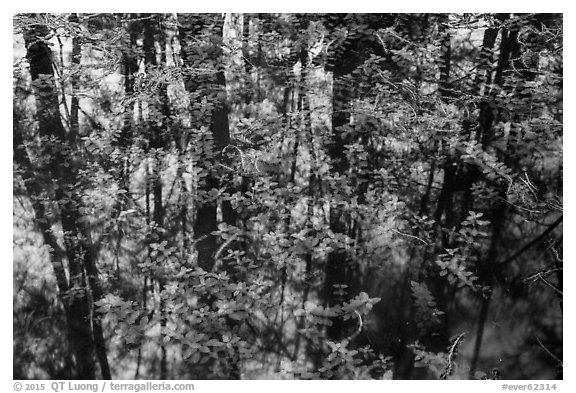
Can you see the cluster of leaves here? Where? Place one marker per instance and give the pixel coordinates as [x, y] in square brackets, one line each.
[427, 313]
[197, 310]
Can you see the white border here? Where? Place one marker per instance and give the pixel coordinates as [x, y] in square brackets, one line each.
[6, 383]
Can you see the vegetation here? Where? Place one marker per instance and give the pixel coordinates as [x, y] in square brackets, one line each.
[338, 196]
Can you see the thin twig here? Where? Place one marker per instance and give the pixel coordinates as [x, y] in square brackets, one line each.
[551, 286]
[533, 242]
[519, 207]
[220, 250]
[452, 351]
[541, 273]
[360, 326]
[549, 353]
[406, 234]
[239, 151]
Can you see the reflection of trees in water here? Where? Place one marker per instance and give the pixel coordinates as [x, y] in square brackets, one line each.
[287, 196]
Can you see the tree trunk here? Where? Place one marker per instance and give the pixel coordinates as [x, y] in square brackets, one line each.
[487, 119]
[355, 51]
[214, 87]
[35, 190]
[60, 167]
[157, 141]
